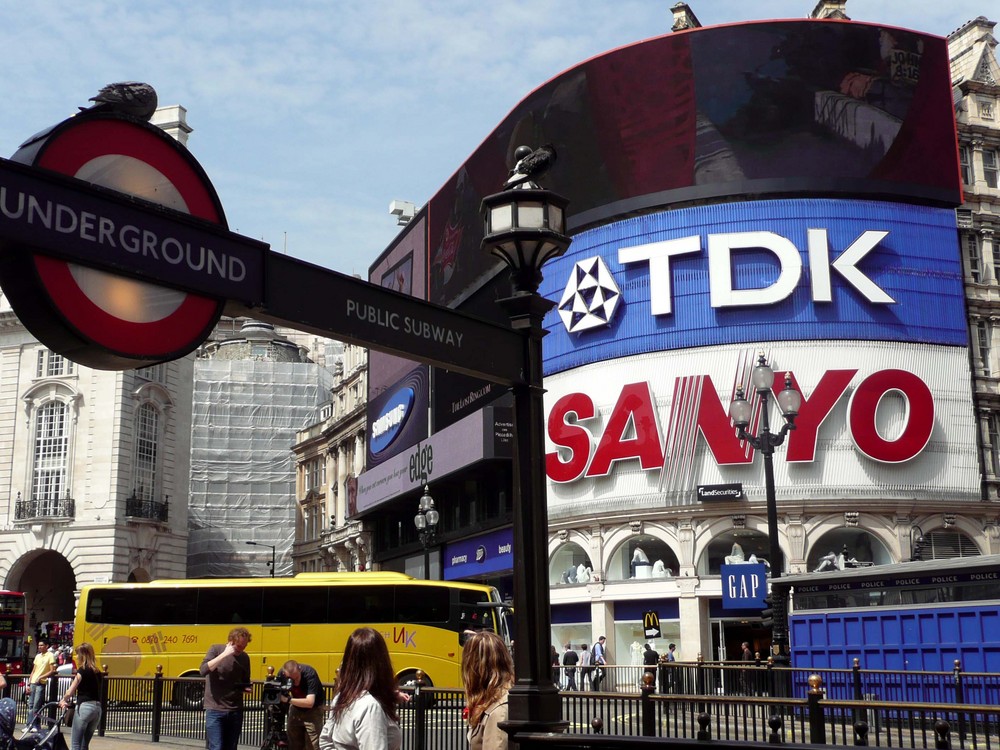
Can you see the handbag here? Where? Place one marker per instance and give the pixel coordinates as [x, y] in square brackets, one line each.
[68, 715]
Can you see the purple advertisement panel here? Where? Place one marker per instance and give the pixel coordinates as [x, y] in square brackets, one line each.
[479, 556]
[400, 268]
[789, 107]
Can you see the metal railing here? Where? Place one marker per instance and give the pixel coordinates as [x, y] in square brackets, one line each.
[63, 508]
[149, 509]
[163, 707]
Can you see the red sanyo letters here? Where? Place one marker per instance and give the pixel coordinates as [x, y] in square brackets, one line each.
[696, 407]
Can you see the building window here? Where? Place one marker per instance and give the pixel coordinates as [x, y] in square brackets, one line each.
[965, 161]
[51, 452]
[983, 336]
[315, 473]
[990, 167]
[975, 257]
[156, 373]
[993, 426]
[147, 426]
[52, 365]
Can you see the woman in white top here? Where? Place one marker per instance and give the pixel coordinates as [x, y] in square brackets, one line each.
[363, 712]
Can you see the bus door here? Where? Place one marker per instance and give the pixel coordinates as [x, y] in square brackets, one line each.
[272, 651]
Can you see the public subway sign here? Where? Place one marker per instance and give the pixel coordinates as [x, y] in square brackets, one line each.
[588, 446]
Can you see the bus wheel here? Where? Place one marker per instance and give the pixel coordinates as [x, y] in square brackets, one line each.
[189, 695]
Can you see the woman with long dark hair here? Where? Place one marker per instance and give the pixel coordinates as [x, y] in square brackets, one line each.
[488, 675]
[87, 686]
[363, 712]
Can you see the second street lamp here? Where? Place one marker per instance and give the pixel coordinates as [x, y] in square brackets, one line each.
[765, 441]
[273, 548]
[426, 522]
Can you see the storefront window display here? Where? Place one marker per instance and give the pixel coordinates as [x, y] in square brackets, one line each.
[642, 557]
[570, 564]
[733, 547]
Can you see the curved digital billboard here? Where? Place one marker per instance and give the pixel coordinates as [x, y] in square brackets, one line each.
[761, 109]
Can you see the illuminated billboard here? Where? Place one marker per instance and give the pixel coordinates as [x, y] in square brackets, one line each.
[746, 272]
[776, 107]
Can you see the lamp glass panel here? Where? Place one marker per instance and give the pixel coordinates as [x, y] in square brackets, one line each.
[762, 377]
[531, 215]
[789, 401]
[501, 218]
[556, 219]
[433, 517]
[419, 521]
[739, 411]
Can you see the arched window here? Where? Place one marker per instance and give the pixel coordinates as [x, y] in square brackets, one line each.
[640, 557]
[145, 486]
[51, 453]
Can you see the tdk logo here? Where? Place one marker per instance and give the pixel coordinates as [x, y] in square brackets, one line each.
[592, 296]
[721, 248]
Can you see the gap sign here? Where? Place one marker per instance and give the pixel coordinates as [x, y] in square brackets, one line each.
[744, 586]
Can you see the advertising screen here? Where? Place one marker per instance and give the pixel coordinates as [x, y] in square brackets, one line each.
[789, 107]
[756, 271]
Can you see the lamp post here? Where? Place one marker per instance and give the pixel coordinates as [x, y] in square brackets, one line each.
[262, 544]
[525, 227]
[426, 522]
[741, 411]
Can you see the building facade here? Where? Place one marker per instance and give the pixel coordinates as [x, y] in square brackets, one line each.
[253, 391]
[95, 472]
[329, 456]
[976, 79]
[806, 210]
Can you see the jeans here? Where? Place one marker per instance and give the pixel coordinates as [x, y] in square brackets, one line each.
[36, 699]
[85, 720]
[223, 728]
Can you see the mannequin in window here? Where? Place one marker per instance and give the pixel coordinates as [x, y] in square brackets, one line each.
[583, 573]
[660, 570]
[736, 557]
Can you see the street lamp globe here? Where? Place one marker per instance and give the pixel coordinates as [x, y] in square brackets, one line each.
[762, 376]
[789, 400]
[739, 409]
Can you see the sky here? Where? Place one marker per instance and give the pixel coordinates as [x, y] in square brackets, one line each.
[311, 116]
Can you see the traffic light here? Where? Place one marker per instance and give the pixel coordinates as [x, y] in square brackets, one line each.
[767, 614]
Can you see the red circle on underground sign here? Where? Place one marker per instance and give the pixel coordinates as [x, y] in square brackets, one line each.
[130, 319]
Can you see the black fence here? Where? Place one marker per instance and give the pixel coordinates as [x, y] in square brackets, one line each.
[686, 703]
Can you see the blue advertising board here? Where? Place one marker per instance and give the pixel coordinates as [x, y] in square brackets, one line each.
[733, 273]
[479, 555]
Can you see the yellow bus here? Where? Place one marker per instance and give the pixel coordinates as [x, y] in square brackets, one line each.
[136, 626]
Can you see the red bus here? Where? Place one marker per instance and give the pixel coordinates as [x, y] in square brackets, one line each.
[11, 632]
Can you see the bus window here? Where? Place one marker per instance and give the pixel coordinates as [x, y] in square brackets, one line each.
[168, 607]
[418, 604]
[237, 606]
[304, 605]
[361, 604]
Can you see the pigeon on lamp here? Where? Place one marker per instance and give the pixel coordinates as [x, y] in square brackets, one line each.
[130, 98]
[530, 164]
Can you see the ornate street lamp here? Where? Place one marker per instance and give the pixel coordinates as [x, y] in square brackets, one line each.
[262, 544]
[426, 522]
[741, 412]
[526, 227]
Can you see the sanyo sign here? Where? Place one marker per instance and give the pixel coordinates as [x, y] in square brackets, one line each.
[591, 445]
